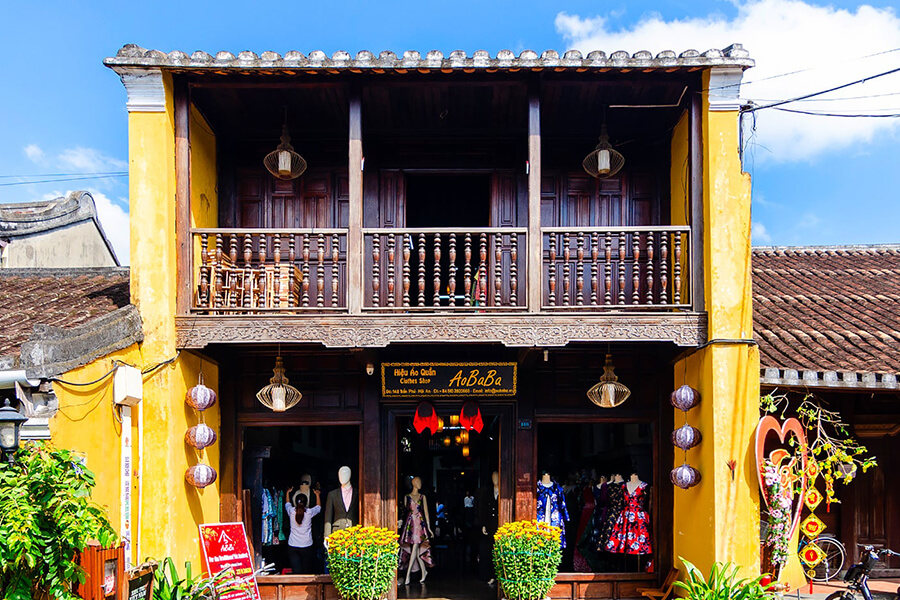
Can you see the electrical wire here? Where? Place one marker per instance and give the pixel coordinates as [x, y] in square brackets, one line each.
[67, 174]
[847, 115]
[9, 184]
[94, 382]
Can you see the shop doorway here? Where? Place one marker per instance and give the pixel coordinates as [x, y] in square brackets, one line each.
[454, 467]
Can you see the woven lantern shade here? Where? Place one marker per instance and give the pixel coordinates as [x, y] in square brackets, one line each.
[278, 395]
[604, 161]
[686, 437]
[685, 398]
[200, 397]
[283, 162]
[685, 476]
[608, 392]
[200, 475]
[200, 436]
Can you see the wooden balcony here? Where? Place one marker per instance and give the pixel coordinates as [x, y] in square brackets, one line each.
[440, 284]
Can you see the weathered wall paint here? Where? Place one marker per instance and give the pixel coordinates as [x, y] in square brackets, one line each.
[719, 519]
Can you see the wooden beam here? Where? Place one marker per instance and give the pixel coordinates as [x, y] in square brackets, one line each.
[184, 260]
[696, 191]
[355, 243]
[535, 242]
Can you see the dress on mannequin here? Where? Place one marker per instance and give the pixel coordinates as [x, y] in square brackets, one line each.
[414, 531]
[551, 507]
[614, 505]
[580, 561]
[631, 533]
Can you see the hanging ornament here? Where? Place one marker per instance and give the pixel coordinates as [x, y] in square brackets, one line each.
[200, 475]
[470, 416]
[426, 418]
[812, 526]
[685, 398]
[686, 437]
[685, 476]
[200, 397]
[200, 436]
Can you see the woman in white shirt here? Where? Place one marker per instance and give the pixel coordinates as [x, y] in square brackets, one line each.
[300, 543]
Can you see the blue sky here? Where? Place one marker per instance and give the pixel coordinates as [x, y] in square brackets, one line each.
[817, 180]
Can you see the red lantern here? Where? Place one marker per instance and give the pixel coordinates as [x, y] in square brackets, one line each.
[200, 397]
[685, 398]
[685, 476]
[200, 436]
[426, 418]
[686, 437]
[200, 475]
[470, 416]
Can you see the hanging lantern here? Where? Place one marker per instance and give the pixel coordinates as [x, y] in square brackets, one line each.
[604, 161]
[447, 441]
[200, 475]
[278, 395]
[608, 392]
[426, 418]
[454, 420]
[464, 437]
[200, 436]
[283, 162]
[685, 398]
[685, 476]
[465, 451]
[470, 416]
[200, 397]
[686, 437]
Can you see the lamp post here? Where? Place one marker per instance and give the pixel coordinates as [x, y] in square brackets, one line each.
[10, 421]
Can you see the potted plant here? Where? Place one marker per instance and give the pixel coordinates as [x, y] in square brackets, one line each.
[722, 584]
[526, 559]
[362, 561]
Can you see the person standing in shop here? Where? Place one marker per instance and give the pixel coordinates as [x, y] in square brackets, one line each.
[301, 553]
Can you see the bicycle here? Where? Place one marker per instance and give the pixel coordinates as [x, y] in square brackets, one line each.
[857, 576]
[831, 565]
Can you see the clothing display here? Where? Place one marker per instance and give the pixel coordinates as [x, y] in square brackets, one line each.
[551, 507]
[414, 530]
[487, 506]
[580, 561]
[338, 513]
[631, 532]
[272, 517]
[614, 503]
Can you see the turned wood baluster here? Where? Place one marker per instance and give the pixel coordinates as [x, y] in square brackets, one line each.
[498, 269]
[204, 270]
[335, 270]
[567, 269]
[320, 270]
[451, 287]
[304, 239]
[276, 272]
[292, 256]
[220, 282]
[376, 270]
[248, 272]
[467, 269]
[262, 250]
[649, 276]
[676, 275]
[231, 284]
[635, 268]
[622, 241]
[392, 248]
[664, 268]
[551, 270]
[513, 269]
[607, 271]
[595, 269]
[422, 243]
[436, 270]
[407, 244]
[579, 270]
[482, 269]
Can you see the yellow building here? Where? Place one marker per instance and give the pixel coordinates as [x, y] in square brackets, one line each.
[443, 223]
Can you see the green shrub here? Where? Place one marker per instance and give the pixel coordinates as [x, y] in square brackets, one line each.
[722, 584]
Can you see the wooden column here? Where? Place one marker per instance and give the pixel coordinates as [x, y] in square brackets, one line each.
[695, 145]
[184, 260]
[355, 242]
[534, 201]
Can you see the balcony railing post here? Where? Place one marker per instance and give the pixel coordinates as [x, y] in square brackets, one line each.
[355, 241]
[534, 239]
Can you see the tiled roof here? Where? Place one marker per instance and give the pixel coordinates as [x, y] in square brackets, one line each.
[56, 297]
[828, 309]
[132, 55]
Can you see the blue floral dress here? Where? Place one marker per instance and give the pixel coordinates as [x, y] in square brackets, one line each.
[631, 533]
[556, 506]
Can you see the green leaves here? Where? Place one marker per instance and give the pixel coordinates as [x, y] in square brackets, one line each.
[46, 519]
[722, 584]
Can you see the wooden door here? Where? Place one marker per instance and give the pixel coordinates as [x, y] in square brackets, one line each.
[876, 493]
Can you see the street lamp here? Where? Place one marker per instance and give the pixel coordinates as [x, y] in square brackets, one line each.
[10, 421]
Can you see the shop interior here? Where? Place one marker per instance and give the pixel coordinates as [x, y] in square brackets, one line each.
[598, 488]
[454, 466]
[300, 459]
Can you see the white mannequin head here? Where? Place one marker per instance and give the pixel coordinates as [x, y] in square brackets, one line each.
[416, 484]
[344, 475]
[495, 478]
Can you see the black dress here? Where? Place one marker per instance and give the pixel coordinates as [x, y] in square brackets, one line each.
[615, 504]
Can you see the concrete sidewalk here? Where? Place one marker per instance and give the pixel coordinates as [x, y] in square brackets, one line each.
[882, 589]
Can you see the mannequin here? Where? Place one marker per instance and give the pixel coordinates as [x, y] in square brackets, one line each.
[342, 505]
[614, 502]
[585, 532]
[631, 532]
[487, 507]
[551, 505]
[305, 487]
[415, 530]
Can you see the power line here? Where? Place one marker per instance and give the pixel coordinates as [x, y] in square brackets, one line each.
[67, 174]
[848, 115]
[61, 180]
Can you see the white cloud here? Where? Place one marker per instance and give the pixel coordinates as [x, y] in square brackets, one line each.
[782, 36]
[760, 236]
[89, 160]
[34, 153]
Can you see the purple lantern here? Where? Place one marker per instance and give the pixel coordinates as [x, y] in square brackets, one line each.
[685, 398]
[200, 436]
[200, 397]
[200, 475]
[686, 437]
[685, 476]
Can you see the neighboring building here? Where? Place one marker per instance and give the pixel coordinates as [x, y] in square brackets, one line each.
[445, 217]
[60, 233]
[827, 319]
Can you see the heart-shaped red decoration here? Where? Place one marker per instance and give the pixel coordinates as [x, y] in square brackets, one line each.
[770, 424]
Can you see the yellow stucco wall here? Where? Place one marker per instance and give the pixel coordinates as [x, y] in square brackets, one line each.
[719, 519]
[679, 173]
[204, 179]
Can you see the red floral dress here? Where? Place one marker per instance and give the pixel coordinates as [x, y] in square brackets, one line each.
[631, 533]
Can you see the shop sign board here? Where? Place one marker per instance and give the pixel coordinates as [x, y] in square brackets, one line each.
[139, 583]
[448, 379]
[225, 546]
